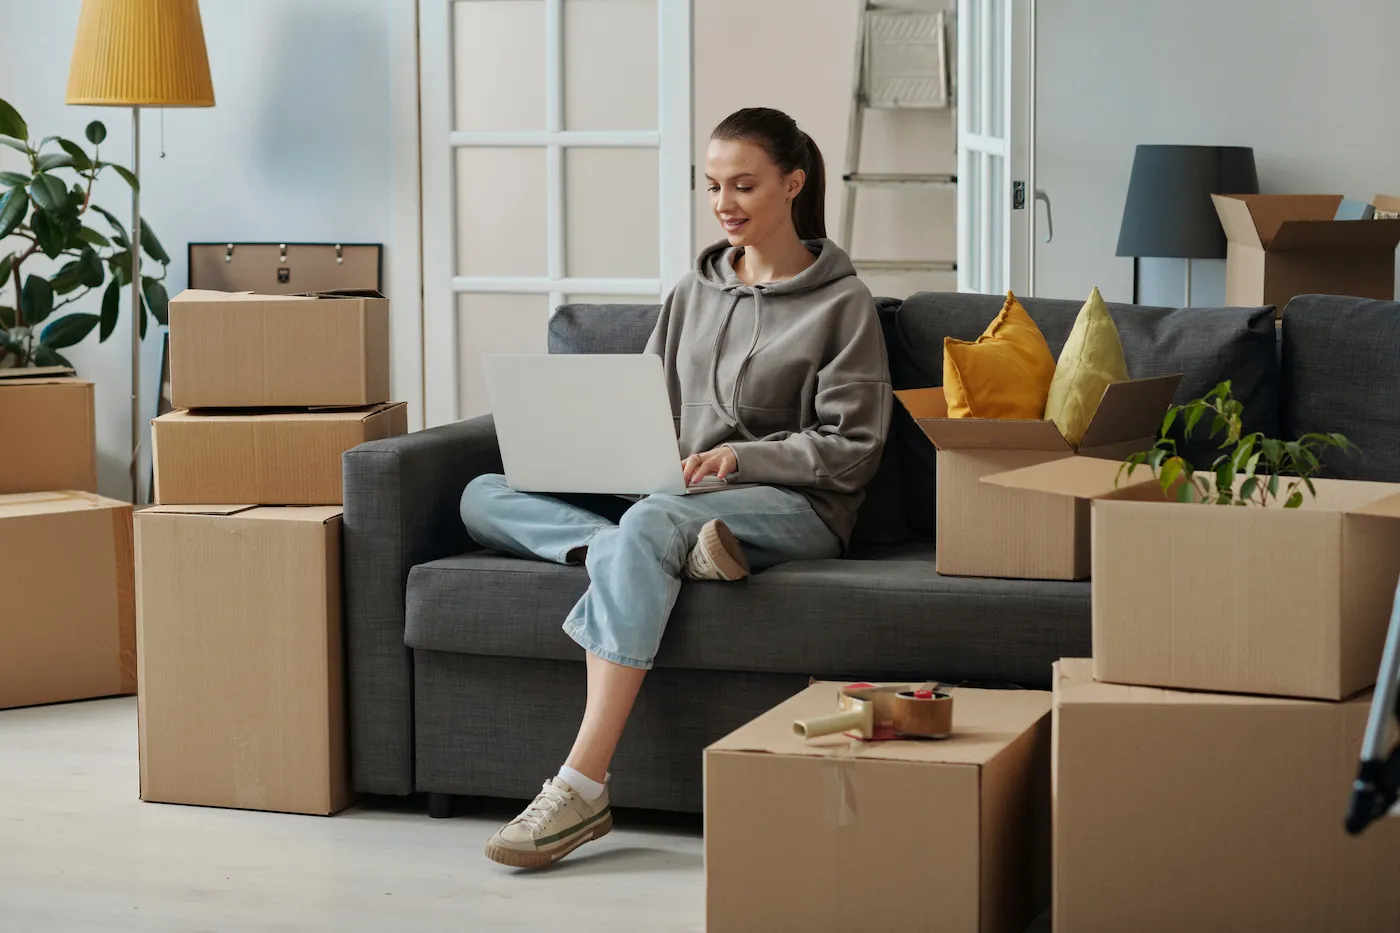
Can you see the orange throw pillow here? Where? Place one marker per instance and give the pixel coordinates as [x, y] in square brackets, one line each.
[1005, 373]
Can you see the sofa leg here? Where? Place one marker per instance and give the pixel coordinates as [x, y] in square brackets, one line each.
[440, 806]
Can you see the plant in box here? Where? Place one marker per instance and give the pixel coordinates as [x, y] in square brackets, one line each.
[1253, 470]
[47, 211]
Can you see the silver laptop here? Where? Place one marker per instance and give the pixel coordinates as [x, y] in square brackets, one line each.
[587, 423]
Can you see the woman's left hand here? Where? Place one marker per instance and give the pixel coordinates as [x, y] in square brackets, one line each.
[719, 463]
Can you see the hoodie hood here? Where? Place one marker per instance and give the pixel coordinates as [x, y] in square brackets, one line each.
[715, 268]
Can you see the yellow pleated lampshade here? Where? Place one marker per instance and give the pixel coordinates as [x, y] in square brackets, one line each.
[147, 53]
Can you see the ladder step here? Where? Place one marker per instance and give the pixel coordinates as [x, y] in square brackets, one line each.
[875, 180]
[904, 265]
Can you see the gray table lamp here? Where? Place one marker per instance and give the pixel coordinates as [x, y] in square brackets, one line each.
[1169, 213]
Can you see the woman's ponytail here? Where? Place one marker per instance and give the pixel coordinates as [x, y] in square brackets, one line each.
[790, 149]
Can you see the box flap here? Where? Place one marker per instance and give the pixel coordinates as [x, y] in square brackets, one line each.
[341, 293]
[196, 509]
[1389, 507]
[1267, 212]
[1234, 217]
[205, 294]
[1074, 685]
[929, 408]
[924, 403]
[14, 505]
[1337, 234]
[38, 372]
[1387, 203]
[1075, 477]
[314, 514]
[1130, 410]
[984, 723]
[210, 415]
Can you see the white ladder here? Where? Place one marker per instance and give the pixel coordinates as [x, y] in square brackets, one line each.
[901, 64]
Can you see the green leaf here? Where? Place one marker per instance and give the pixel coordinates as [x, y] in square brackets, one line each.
[49, 234]
[68, 330]
[120, 264]
[1273, 485]
[67, 279]
[6, 263]
[36, 300]
[48, 356]
[14, 205]
[79, 158]
[1171, 472]
[1294, 500]
[10, 179]
[125, 173]
[96, 132]
[91, 267]
[1169, 420]
[49, 193]
[157, 299]
[111, 308]
[50, 160]
[11, 123]
[119, 237]
[141, 306]
[7, 317]
[1194, 411]
[13, 143]
[1307, 480]
[89, 235]
[1155, 457]
[151, 245]
[1248, 488]
[1186, 492]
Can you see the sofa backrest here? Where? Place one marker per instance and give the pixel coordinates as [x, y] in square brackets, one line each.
[1341, 373]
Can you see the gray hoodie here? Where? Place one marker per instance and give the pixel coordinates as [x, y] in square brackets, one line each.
[792, 375]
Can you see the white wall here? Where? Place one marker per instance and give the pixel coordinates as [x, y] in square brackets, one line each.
[298, 147]
[1312, 87]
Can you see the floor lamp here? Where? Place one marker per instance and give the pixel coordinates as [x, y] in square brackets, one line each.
[139, 53]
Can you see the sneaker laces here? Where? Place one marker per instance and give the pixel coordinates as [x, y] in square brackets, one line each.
[545, 805]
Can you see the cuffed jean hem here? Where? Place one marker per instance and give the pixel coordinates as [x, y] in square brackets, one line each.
[574, 628]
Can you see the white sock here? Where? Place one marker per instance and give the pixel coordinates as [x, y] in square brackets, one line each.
[587, 788]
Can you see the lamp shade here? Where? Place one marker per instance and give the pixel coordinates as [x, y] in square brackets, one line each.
[1169, 212]
[145, 53]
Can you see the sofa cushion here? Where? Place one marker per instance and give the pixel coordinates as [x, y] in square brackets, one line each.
[1206, 345]
[1341, 372]
[893, 617]
[585, 328]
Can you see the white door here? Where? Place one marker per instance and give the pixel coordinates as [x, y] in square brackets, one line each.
[556, 152]
[996, 152]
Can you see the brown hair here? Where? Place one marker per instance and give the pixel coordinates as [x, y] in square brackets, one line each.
[790, 149]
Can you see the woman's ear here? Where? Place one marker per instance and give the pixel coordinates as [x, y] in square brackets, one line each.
[794, 182]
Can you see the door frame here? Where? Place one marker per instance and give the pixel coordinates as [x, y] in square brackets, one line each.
[440, 141]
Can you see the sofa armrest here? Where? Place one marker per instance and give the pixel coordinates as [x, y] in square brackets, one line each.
[402, 497]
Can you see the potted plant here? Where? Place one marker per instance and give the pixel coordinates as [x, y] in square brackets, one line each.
[47, 208]
[1267, 469]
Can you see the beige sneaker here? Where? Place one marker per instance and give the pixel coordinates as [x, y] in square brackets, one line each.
[555, 824]
[717, 555]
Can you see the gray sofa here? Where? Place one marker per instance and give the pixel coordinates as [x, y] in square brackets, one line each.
[461, 681]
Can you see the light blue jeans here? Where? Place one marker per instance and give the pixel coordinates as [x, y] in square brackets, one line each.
[634, 565]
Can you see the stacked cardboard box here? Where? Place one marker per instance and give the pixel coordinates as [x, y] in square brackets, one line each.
[1177, 808]
[238, 565]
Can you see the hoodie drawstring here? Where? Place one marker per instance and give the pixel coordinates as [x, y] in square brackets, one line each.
[735, 419]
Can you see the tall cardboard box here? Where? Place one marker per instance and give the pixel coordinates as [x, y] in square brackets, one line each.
[839, 834]
[67, 616]
[239, 640]
[1282, 245]
[1289, 602]
[273, 458]
[240, 350]
[48, 431]
[985, 531]
[1193, 811]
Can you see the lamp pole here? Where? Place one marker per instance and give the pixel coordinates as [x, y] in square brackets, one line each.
[136, 307]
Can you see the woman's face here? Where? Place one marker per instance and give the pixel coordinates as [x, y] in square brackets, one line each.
[749, 193]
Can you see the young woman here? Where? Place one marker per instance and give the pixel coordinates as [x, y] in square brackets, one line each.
[778, 380]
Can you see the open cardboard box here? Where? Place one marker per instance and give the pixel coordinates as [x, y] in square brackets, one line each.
[1249, 599]
[986, 531]
[1282, 245]
[48, 431]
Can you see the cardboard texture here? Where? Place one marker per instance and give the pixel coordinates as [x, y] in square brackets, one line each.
[984, 531]
[275, 458]
[834, 833]
[239, 633]
[1287, 602]
[1282, 245]
[48, 431]
[240, 350]
[1387, 207]
[67, 626]
[1192, 811]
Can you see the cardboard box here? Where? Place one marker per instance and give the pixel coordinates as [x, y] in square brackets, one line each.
[277, 458]
[984, 531]
[838, 834]
[1289, 602]
[240, 350]
[1190, 811]
[239, 640]
[67, 615]
[48, 431]
[1387, 207]
[1282, 245]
